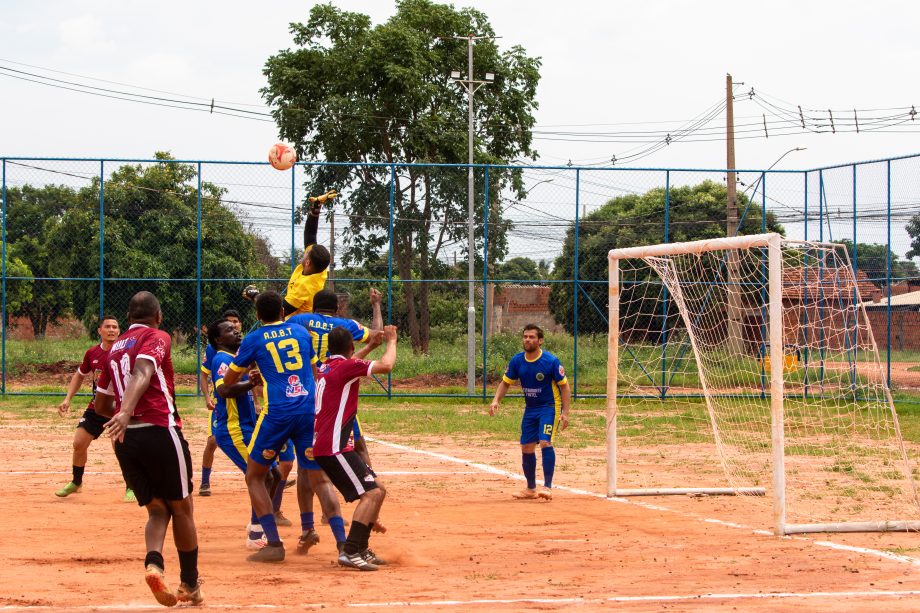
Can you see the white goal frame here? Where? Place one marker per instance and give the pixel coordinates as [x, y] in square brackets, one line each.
[773, 243]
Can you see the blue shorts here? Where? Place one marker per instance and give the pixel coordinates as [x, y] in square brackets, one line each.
[273, 431]
[234, 444]
[286, 453]
[539, 424]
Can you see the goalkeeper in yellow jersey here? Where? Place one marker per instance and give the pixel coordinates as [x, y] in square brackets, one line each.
[310, 275]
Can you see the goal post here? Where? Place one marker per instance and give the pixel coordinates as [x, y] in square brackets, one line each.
[796, 411]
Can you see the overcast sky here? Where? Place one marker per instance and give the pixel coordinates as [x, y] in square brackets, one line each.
[607, 66]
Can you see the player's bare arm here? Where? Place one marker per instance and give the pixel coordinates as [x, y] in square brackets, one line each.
[374, 340]
[204, 382]
[377, 317]
[72, 388]
[385, 364]
[238, 389]
[140, 379]
[500, 393]
[565, 392]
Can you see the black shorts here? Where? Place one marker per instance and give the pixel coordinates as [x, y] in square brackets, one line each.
[156, 462]
[92, 422]
[348, 473]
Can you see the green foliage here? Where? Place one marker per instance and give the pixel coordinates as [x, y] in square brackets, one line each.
[354, 91]
[696, 212]
[521, 268]
[913, 230]
[872, 259]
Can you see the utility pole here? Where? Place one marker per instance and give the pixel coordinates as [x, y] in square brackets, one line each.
[735, 329]
[471, 85]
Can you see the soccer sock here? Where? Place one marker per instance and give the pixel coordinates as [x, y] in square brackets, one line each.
[306, 521]
[529, 464]
[155, 557]
[205, 475]
[548, 455]
[337, 525]
[357, 538]
[78, 474]
[279, 494]
[271, 529]
[188, 567]
[253, 519]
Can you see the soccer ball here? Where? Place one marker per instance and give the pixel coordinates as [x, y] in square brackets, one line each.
[281, 156]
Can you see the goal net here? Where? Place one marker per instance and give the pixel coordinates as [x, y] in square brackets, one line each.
[747, 365]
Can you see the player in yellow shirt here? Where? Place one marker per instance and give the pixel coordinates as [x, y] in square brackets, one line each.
[310, 275]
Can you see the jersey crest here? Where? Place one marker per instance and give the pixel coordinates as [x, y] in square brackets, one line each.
[295, 387]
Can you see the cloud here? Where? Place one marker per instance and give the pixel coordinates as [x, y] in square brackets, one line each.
[84, 34]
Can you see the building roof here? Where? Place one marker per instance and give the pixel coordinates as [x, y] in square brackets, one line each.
[910, 299]
[833, 283]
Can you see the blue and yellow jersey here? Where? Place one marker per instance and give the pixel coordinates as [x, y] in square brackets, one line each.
[236, 414]
[209, 353]
[540, 379]
[319, 326]
[284, 354]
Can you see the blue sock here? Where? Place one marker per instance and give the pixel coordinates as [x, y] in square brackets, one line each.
[337, 525]
[253, 519]
[548, 454]
[279, 494]
[306, 521]
[271, 529]
[529, 464]
[205, 475]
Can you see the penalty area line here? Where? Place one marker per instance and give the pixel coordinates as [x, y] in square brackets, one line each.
[654, 507]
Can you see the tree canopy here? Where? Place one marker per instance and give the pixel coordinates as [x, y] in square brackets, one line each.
[695, 212]
[872, 259]
[353, 91]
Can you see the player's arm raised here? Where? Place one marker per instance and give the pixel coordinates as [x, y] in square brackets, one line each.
[138, 383]
[377, 318]
[388, 360]
[72, 388]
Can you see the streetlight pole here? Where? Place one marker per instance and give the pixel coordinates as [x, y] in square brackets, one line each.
[471, 85]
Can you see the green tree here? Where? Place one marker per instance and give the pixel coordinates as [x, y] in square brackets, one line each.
[151, 232]
[520, 268]
[872, 259]
[380, 94]
[18, 291]
[696, 212]
[33, 214]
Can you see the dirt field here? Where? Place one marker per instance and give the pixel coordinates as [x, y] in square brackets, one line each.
[456, 539]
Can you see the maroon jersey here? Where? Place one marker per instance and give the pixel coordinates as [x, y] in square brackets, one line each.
[93, 361]
[157, 404]
[337, 403]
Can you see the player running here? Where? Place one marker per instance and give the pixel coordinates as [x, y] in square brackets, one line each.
[336, 410]
[90, 425]
[137, 385]
[284, 354]
[546, 391]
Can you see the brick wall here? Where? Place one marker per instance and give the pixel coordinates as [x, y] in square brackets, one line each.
[905, 329]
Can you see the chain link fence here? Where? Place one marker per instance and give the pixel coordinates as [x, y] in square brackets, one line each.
[80, 237]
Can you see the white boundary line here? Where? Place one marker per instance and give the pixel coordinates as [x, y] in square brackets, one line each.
[498, 471]
[388, 473]
[135, 606]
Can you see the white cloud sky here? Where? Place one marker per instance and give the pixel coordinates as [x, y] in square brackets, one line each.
[603, 63]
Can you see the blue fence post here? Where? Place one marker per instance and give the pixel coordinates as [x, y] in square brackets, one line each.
[101, 239]
[293, 204]
[888, 266]
[576, 287]
[390, 267]
[805, 294]
[198, 290]
[856, 296]
[664, 303]
[485, 282]
[3, 265]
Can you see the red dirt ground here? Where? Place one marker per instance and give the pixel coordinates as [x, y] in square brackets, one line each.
[456, 539]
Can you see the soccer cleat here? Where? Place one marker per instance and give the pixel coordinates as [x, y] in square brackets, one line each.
[281, 520]
[204, 489]
[526, 494]
[545, 493]
[156, 581]
[369, 555]
[191, 595]
[250, 292]
[129, 496]
[67, 490]
[355, 560]
[269, 553]
[307, 540]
